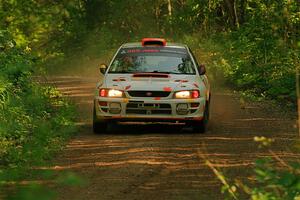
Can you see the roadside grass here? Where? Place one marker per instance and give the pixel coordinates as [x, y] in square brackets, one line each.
[274, 178]
[35, 122]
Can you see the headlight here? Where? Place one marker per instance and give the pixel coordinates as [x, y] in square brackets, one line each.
[187, 94]
[182, 95]
[115, 93]
[111, 93]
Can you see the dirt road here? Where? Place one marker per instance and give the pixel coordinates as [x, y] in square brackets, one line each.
[164, 162]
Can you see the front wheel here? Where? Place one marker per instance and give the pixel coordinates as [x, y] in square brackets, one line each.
[201, 126]
[98, 127]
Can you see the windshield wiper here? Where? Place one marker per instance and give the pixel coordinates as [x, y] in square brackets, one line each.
[160, 72]
[120, 72]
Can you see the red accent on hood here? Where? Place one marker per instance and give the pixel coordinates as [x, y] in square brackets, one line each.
[127, 87]
[153, 75]
[167, 89]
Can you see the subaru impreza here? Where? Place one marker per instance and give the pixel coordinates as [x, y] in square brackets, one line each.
[152, 81]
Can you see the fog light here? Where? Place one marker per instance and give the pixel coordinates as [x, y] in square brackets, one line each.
[102, 103]
[194, 105]
[182, 109]
[114, 108]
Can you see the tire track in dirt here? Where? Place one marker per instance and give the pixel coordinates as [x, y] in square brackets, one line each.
[163, 161]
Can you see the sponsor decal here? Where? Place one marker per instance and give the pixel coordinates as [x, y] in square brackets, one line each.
[143, 50]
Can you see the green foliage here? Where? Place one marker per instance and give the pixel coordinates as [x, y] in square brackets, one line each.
[260, 57]
[276, 184]
[39, 190]
[31, 126]
[274, 180]
[44, 26]
[260, 63]
[33, 191]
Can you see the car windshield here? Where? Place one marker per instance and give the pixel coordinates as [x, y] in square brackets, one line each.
[152, 60]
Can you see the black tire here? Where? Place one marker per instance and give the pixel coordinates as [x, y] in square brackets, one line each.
[201, 127]
[98, 127]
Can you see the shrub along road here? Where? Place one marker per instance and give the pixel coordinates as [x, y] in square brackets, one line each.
[163, 161]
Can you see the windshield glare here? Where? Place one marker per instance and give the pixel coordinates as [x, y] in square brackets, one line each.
[155, 62]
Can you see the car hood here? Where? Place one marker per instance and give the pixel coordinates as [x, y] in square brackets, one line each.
[152, 82]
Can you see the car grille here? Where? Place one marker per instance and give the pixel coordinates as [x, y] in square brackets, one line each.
[139, 108]
[149, 93]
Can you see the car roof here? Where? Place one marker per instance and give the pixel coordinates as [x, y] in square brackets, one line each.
[169, 44]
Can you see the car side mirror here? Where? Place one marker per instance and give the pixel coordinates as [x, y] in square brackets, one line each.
[202, 69]
[103, 68]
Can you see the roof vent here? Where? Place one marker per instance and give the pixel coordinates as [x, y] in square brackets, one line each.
[154, 42]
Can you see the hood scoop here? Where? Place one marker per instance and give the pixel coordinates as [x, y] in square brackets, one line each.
[150, 75]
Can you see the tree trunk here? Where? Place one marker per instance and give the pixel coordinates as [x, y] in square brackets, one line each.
[157, 16]
[231, 6]
[236, 19]
[298, 96]
[242, 11]
[170, 16]
[170, 8]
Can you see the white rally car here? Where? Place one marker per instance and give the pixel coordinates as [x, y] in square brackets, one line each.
[152, 81]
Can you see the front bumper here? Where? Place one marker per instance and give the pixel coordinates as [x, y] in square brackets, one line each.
[149, 109]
